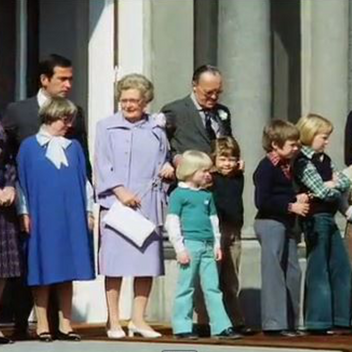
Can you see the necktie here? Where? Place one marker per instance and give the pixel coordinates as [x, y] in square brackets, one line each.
[209, 115]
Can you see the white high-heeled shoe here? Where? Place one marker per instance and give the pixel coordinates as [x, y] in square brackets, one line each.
[115, 334]
[132, 330]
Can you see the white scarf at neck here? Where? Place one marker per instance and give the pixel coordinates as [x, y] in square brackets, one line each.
[55, 151]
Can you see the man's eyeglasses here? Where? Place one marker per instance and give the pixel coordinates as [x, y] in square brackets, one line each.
[211, 93]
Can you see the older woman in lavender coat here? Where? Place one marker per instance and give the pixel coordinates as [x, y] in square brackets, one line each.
[130, 155]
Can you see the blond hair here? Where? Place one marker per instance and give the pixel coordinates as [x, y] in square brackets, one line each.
[278, 132]
[136, 81]
[311, 125]
[57, 108]
[191, 162]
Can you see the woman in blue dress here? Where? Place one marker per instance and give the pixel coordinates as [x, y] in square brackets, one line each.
[59, 246]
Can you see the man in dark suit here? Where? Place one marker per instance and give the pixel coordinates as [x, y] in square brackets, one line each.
[21, 120]
[193, 122]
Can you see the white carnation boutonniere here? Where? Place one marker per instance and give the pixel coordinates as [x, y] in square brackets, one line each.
[223, 114]
[159, 119]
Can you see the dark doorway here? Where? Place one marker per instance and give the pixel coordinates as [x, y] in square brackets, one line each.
[8, 52]
[32, 47]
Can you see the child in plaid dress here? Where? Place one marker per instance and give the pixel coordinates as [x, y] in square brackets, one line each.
[10, 264]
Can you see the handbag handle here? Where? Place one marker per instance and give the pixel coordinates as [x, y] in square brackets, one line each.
[153, 183]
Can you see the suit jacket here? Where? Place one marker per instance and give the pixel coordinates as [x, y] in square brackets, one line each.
[185, 128]
[348, 140]
[21, 120]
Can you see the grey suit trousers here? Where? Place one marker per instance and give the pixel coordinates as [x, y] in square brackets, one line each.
[281, 276]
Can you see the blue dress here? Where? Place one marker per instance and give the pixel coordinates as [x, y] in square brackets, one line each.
[59, 246]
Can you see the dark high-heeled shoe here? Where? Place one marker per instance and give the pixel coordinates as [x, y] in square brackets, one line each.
[69, 336]
[5, 340]
[45, 337]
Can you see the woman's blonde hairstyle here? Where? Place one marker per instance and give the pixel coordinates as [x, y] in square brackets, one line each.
[278, 132]
[191, 162]
[57, 108]
[136, 81]
[311, 125]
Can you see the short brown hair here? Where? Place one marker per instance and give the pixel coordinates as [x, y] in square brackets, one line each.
[48, 64]
[311, 125]
[225, 146]
[279, 131]
[57, 108]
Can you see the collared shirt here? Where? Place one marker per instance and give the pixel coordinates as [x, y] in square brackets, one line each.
[41, 97]
[214, 124]
[285, 165]
[314, 182]
[183, 184]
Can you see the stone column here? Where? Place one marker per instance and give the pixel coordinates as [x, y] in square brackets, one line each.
[244, 59]
[171, 56]
[133, 37]
[172, 48]
[88, 298]
[350, 59]
[325, 30]
[205, 32]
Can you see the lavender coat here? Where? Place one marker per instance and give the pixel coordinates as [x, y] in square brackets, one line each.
[131, 155]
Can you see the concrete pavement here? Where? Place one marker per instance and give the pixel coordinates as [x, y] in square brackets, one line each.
[94, 346]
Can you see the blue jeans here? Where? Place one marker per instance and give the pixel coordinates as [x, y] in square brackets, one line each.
[328, 276]
[203, 264]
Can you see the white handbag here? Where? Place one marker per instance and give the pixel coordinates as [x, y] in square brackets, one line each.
[129, 223]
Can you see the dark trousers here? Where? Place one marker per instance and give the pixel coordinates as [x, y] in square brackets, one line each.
[23, 301]
[229, 269]
[21, 294]
[328, 275]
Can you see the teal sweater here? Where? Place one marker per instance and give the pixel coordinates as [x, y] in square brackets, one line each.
[194, 208]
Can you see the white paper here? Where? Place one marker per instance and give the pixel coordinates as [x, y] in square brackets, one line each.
[129, 223]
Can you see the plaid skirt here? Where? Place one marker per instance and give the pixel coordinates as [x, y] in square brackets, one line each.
[10, 255]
